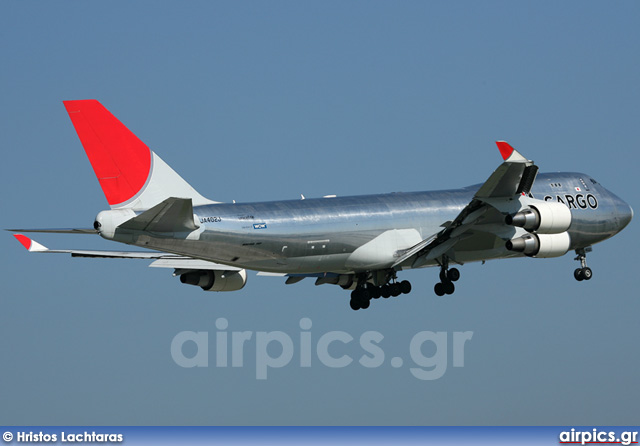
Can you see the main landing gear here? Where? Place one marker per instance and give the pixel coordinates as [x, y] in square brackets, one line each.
[447, 277]
[363, 294]
[584, 272]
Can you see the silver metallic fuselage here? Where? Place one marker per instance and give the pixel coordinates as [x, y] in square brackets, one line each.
[326, 235]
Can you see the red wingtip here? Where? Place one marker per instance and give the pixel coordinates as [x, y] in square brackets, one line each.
[26, 241]
[505, 149]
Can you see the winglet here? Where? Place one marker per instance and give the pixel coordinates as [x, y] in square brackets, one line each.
[510, 154]
[30, 245]
[505, 149]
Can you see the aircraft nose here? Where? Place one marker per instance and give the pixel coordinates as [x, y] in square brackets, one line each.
[625, 212]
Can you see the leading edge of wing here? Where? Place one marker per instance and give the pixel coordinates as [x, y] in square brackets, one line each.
[162, 259]
[33, 246]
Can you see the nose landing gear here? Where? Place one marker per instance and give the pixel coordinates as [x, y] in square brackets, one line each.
[584, 272]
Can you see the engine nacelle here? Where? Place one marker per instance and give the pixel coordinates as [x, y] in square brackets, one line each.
[214, 280]
[542, 217]
[346, 281]
[541, 245]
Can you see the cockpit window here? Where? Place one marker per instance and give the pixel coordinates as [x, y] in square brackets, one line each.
[593, 181]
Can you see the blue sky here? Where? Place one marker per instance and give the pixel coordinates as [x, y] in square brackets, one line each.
[256, 101]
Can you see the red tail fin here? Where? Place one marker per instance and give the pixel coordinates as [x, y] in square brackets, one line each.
[131, 175]
[119, 159]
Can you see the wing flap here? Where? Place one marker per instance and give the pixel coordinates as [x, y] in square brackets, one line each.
[414, 250]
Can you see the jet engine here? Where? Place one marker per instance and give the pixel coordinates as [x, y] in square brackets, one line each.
[344, 280]
[541, 245]
[542, 217]
[214, 280]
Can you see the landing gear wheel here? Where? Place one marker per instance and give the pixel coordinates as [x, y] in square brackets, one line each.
[405, 287]
[449, 288]
[375, 292]
[395, 289]
[453, 274]
[583, 273]
[365, 304]
[354, 304]
[385, 291]
[439, 289]
[443, 275]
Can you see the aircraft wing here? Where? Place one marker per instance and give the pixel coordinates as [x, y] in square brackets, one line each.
[162, 259]
[480, 218]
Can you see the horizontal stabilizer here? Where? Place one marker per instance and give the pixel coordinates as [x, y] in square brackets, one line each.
[172, 215]
[59, 230]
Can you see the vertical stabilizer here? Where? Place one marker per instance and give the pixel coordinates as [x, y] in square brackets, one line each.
[130, 174]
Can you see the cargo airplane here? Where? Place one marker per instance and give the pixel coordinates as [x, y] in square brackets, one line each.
[359, 243]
